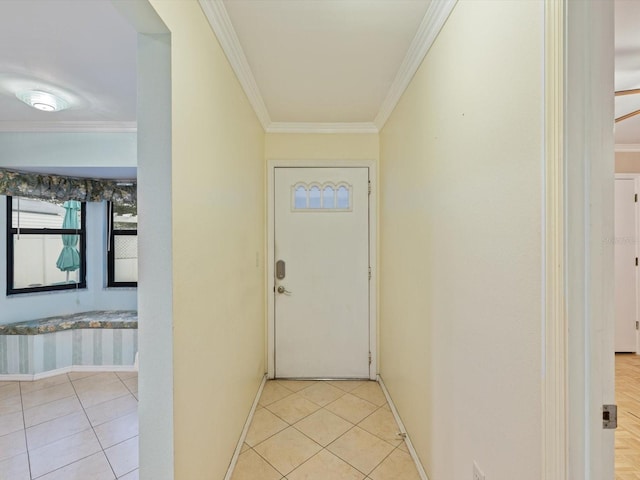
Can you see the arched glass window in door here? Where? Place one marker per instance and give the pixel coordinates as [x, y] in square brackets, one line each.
[328, 197]
[314, 197]
[300, 197]
[343, 198]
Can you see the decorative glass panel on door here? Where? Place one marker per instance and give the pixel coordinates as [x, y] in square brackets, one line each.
[314, 197]
[343, 197]
[333, 197]
[328, 197]
[300, 198]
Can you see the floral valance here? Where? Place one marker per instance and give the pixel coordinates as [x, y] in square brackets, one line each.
[60, 188]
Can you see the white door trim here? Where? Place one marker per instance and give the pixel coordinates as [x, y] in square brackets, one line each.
[373, 253]
[636, 183]
[584, 354]
[555, 325]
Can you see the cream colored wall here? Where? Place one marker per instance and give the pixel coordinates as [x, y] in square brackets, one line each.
[627, 162]
[218, 247]
[321, 146]
[461, 173]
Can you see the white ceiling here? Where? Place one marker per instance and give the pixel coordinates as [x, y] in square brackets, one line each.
[627, 69]
[84, 51]
[312, 62]
[330, 61]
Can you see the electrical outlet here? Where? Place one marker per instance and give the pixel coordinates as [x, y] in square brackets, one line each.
[477, 473]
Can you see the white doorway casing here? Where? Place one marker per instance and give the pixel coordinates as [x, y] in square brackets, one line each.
[585, 364]
[270, 271]
[578, 327]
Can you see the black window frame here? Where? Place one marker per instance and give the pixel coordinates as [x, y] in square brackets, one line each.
[111, 256]
[82, 250]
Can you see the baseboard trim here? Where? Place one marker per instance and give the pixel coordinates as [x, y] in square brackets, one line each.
[27, 377]
[243, 435]
[412, 451]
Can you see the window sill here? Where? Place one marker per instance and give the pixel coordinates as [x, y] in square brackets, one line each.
[48, 292]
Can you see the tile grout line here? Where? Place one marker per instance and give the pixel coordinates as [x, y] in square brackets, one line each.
[343, 459]
[407, 440]
[325, 448]
[93, 428]
[24, 424]
[290, 425]
[245, 429]
[386, 404]
[44, 403]
[135, 395]
[28, 451]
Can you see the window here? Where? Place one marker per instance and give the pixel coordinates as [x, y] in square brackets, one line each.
[122, 246]
[322, 198]
[46, 245]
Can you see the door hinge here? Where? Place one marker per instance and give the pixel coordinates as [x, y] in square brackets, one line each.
[369, 273]
[636, 198]
[636, 261]
[610, 417]
[369, 358]
[637, 325]
[369, 187]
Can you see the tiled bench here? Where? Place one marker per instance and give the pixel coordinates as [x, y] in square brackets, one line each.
[97, 340]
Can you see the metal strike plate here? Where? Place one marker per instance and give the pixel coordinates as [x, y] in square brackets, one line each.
[280, 269]
[609, 416]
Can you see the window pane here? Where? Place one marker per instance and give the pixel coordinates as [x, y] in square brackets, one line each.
[27, 213]
[125, 218]
[328, 198]
[314, 197]
[343, 197]
[36, 257]
[126, 258]
[300, 200]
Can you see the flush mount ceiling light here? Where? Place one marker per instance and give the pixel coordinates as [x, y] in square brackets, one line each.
[47, 102]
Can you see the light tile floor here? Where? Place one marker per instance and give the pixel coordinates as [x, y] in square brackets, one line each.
[329, 430]
[76, 426]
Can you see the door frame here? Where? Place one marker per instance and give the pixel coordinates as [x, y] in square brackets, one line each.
[636, 184]
[578, 370]
[372, 165]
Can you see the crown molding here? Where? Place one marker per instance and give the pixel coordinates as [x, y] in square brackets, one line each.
[221, 24]
[627, 147]
[309, 127]
[69, 126]
[429, 28]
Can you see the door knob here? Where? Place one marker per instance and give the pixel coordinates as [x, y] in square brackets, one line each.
[281, 289]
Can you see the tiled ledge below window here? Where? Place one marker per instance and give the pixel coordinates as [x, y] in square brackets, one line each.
[95, 319]
[98, 340]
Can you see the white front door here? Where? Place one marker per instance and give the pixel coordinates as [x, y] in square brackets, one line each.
[625, 265]
[321, 252]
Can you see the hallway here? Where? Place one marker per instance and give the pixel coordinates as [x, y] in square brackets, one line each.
[312, 430]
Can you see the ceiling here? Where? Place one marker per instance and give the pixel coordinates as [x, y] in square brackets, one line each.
[83, 51]
[627, 71]
[325, 61]
[306, 62]
[317, 65]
